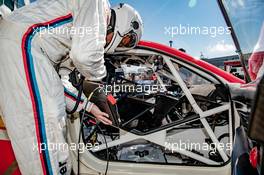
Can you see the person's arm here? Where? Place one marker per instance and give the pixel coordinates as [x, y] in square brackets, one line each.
[71, 96]
[87, 52]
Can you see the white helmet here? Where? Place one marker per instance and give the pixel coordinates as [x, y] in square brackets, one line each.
[125, 22]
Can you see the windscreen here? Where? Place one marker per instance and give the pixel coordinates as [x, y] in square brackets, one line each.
[247, 19]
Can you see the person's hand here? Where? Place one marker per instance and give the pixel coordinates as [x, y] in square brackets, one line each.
[101, 116]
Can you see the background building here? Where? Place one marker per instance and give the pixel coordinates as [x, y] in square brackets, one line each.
[230, 64]
[219, 61]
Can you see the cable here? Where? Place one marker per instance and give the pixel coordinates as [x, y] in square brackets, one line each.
[79, 139]
[107, 149]
[223, 136]
[78, 84]
[80, 131]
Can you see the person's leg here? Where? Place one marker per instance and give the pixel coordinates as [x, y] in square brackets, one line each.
[33, 107]
[51, 94]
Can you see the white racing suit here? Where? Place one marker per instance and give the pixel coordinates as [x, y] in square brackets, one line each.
[32, 97]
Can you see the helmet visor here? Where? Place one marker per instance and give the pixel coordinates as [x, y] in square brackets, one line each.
[129, 40]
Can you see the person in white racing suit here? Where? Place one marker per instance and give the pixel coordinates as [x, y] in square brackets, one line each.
[33, 39]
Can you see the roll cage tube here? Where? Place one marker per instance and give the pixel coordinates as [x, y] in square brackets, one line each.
[159, 137]
[235, 40]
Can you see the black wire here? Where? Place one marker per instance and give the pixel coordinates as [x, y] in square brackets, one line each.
[223, 136]
[79, 139]
[107, 150]
[79, 86]
[165, 158]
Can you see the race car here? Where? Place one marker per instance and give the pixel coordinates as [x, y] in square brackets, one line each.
[170, 112]
[196, 120]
